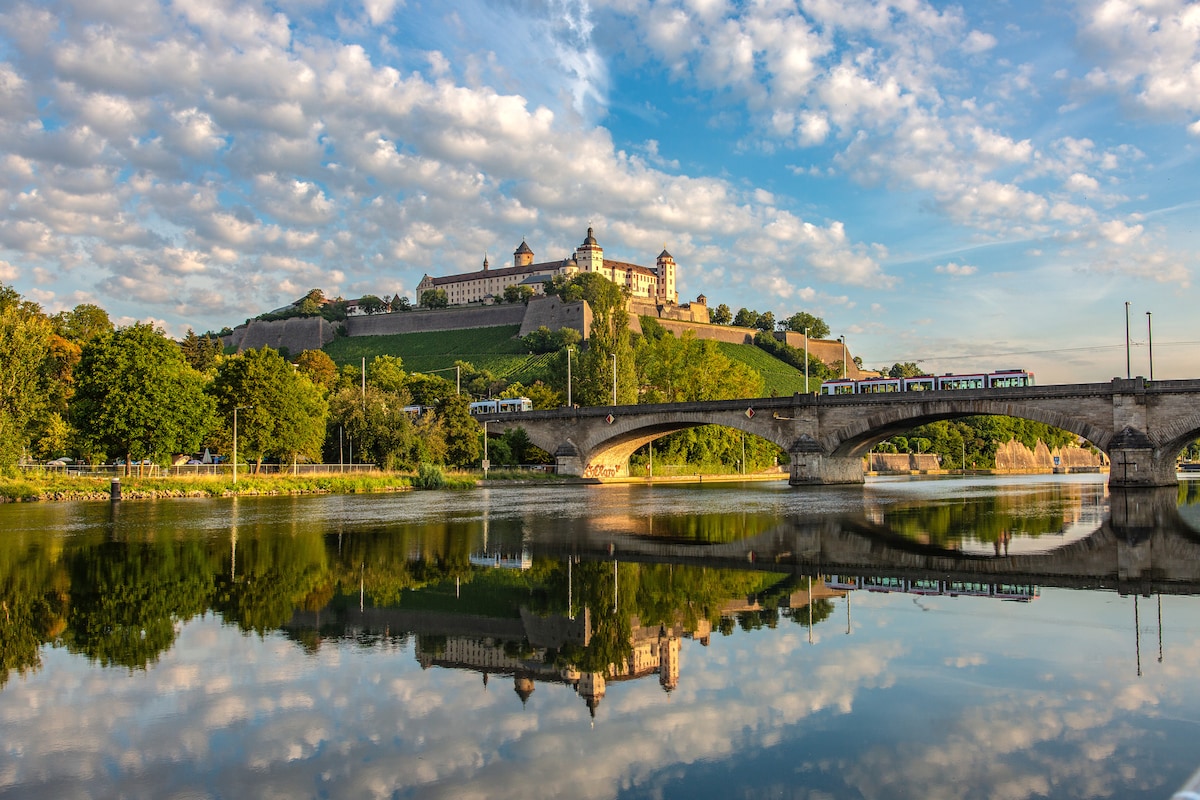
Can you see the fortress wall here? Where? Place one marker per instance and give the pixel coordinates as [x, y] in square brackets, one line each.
[296, 334]
[554, 314]
[717, 333]
[688, 312]
[442, 319]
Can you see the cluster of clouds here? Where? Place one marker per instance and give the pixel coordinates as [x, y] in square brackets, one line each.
[199, 162]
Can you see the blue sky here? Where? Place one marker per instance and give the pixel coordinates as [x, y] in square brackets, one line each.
[967, 187]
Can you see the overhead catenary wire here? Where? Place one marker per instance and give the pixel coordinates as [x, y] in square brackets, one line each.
[1054, 351]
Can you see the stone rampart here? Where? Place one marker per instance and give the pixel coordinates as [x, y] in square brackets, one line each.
[553, 313]
[443, 319]
[296, 335]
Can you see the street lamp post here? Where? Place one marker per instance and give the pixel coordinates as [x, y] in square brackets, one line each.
[842, 339]
[1128, 366]
[235, 455]
[1150, 343]
[570, 350]
[806, 360]
[486, 464]
[614, 355]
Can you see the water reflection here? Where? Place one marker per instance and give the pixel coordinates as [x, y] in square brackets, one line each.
[277, 634]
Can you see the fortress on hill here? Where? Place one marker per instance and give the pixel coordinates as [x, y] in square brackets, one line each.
[476, 301]
[655, 283]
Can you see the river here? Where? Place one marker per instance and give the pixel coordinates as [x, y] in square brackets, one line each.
[996, 637]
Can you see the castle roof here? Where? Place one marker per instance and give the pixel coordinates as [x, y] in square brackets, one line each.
[590, 240]
[665, 254]
[624, 266]
[524, 248]
[503, 272]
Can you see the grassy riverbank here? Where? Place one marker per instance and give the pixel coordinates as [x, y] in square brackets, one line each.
[47, 486]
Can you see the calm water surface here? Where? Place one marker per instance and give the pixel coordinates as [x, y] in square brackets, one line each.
[1001, 638]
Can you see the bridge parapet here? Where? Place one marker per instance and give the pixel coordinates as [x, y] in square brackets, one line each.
[1142, 426]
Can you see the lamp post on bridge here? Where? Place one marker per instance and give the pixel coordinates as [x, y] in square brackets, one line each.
[1128, 365]
[570, 350]
[806, 360]
[842, 339]
[614, 355]
[1150, 343]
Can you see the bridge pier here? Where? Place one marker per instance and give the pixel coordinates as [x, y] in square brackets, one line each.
[1135, 463]
[818, 469]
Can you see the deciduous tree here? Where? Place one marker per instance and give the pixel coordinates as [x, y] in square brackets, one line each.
[282, 413]
[136, 397]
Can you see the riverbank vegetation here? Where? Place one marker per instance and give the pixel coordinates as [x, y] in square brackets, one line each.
[33, 486]
[75, 388]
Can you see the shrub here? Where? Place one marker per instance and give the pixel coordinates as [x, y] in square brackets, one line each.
[429, 476]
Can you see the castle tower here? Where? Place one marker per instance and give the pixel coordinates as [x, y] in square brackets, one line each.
[523, 685]
[590, 256]
[591, 688]
[665, 267]
[522, 256]
[668, 664]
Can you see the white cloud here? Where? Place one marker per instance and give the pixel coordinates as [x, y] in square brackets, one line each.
[957, 270]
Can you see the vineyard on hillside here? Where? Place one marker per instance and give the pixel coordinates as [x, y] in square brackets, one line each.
[498, 351]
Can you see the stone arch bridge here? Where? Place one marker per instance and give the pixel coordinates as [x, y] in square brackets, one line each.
[1142, 426]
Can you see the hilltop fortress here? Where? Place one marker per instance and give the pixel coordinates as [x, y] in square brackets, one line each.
[656, 284]
[476, 301]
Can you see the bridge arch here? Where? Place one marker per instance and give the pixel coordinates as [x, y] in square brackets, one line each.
[611, 448]
[859, 435]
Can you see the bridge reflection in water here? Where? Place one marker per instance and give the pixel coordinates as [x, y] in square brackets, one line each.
[588, 637]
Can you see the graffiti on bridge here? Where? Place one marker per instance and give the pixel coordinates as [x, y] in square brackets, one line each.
[601, 471]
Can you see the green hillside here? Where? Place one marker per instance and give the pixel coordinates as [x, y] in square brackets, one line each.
[492, 349]
[779, 379]
[497, 351]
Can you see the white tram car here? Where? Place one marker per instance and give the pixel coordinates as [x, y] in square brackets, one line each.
[1003, 379]
[506, 406]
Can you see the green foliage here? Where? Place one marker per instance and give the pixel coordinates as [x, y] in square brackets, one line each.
[745, 318]
[377, 423]
[387, 374]
[318, 367]
[721, 315]
[544, 340]
[429, 476]
[26, 339]
[82, 324]
[905, 370]
[281, 413]
[434, 298]
[462, 433]
[688, 369]
[371, 304]
[200, 352]
[128, 598]
[609, 337]
[801, 320]
[518, 294]
[136, 397]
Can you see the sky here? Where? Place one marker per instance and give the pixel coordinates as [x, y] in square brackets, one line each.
[967, 188]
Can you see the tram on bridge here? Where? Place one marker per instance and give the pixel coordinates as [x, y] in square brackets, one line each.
[1002, 379]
